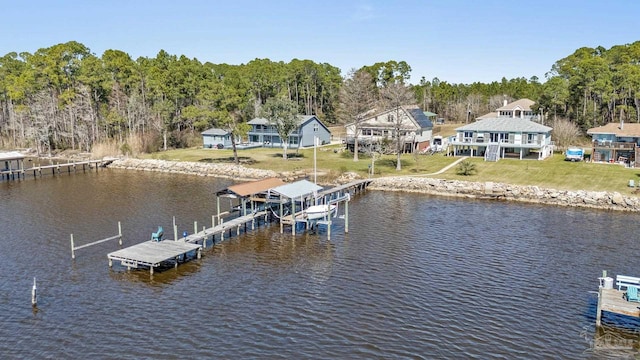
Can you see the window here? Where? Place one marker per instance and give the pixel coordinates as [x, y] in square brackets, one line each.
[531, 138]
[315, 127]
[390, 118]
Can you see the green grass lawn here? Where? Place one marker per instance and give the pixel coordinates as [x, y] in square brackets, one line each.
[332, 161]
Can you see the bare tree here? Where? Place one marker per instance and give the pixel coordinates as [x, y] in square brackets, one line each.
[357, 96]
[394, 95]
[565, 133]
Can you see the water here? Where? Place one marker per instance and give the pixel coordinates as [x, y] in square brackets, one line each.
[416, 277]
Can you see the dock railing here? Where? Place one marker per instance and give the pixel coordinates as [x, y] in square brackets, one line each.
[74, 248]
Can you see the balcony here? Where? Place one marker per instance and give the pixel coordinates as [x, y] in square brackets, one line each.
[608, 144]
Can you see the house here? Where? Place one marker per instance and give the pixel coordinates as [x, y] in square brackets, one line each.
[377, 126]
[507, 132]
[217, 138]
[615, 142]
[516, 109]
[309, 128]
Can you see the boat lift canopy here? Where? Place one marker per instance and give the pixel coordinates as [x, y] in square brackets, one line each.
[296, 190]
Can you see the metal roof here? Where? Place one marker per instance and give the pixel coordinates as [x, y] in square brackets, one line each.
[297, 189]
[12, 155]
[253, 187]
[301, 120]
[215, 131]
[505, 124]
[429, 114]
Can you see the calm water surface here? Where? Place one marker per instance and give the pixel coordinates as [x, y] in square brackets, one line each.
[416, 277]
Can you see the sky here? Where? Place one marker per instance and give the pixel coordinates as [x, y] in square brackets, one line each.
[458, 41]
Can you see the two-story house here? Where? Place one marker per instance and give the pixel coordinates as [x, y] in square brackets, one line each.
[615, 142]
[309, 128]
[263, 133]
[414, 127]
[508, 132]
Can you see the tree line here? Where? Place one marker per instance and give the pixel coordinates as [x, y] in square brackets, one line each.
[65, 97]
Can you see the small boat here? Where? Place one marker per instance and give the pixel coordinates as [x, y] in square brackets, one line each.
[318, 211]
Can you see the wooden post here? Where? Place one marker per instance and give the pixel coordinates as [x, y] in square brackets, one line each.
[151, 270]
[195, 227]
[329, 228]
[293, 217]
[218, 208]
[281, 225]
[175, 232]
[204, 239]
[34, 294]
[213, 221]
[346, 216]
[599, 308]
[120, 233]
[73, 253]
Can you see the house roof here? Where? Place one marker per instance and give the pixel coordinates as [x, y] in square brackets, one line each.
[297, 189]
[628, 130]
[12, 155]
[419, 116]
[429, 114]
[414, 112]
[524, 104]
[252, 187]
[505, 124]
[488, 116]
[215, 131]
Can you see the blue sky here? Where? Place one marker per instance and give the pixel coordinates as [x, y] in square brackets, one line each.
[459, 41]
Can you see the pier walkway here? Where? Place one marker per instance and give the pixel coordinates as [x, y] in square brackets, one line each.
[153, 254]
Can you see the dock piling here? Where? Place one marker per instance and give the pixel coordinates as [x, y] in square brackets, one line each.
[34, 294]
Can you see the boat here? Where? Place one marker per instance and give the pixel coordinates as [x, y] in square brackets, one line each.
[316, 212]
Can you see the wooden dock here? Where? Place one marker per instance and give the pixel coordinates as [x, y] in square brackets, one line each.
[615, 300]
[612, 300]
[220, 229]
[153, 254]
[38, 171]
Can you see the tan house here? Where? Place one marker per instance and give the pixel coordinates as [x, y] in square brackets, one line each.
[415, 128]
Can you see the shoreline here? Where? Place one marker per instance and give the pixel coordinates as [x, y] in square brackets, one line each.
[601, 200]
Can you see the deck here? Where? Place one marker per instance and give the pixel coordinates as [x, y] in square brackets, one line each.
[153, 253]
[611, 300]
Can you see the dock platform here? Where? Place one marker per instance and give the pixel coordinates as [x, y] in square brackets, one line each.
[612, 300]
[153, 254]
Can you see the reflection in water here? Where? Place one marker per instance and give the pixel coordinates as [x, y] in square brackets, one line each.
[416, 277]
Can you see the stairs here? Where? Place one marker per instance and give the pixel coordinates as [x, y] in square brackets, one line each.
[492, 153]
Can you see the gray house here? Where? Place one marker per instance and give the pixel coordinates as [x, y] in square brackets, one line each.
[309, 127]
[503, 136]
[217, 138]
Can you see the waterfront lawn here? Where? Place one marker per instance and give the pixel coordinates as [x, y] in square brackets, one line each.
[554, 172]
[332, 161]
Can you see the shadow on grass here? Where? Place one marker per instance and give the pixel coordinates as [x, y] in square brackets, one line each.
[230, 160]
[289, 155]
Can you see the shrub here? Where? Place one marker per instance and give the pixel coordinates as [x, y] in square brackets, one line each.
[466, 168]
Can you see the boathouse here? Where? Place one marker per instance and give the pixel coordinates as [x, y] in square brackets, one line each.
[250, 195]
[11, 162]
